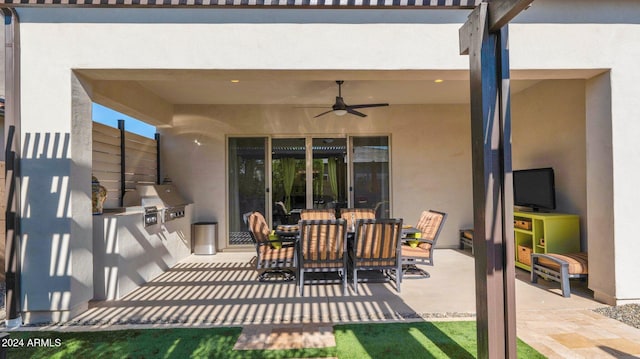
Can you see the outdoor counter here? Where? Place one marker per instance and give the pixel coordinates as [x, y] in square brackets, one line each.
[127, 254]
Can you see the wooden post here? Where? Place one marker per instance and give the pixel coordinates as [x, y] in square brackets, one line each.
[123, 159]
[158, 174]
[492, 184]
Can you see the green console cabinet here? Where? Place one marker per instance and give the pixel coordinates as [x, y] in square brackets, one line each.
[539, 232]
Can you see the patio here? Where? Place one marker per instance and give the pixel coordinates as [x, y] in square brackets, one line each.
[223, 290]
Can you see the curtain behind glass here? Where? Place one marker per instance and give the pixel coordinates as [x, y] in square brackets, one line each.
[288, 174]
[333, 177]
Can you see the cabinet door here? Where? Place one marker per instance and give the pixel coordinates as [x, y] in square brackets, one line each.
[562, 235]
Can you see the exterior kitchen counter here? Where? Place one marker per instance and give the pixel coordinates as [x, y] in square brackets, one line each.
[127, 254]
[122, 211]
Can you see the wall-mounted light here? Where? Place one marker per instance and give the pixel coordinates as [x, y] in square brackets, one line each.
[438, 81]
[235, 81]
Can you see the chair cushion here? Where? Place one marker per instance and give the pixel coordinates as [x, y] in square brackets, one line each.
[325, 264]
[293, 228]
[421, 250]
[259, 227]
[429, 224]
[318, 214]
[281, 254]
[322, 242]
[578, 263]
[467, 233]
[375, 263]
[356, 213]
[376, 242]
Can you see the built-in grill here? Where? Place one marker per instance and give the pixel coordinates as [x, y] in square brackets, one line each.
[161, 203]
[151, 216]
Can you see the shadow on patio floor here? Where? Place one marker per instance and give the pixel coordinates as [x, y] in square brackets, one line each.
[223, 290]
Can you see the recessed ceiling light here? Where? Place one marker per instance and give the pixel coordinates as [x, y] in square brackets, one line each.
[438, 81]
[235, 81]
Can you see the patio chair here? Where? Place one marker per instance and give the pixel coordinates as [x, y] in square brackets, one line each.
[430, 225]
[280, 214]
[273, 255]
[382, 209]
[318, 214]
[351, 215]
[322, 249]
[376, 246]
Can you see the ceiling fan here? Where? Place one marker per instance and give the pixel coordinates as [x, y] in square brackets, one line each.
[340, 108]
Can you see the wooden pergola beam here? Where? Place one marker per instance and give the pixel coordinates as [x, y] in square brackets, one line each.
[503, 11]
[484, 37]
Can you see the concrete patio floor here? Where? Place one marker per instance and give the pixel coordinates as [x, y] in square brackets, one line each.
[222, 289]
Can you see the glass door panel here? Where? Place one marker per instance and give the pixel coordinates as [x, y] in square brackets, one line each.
[329, 173]
[371, 174]
[289, 185]
[247, 184]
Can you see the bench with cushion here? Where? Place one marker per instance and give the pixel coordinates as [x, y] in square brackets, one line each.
[559, 268]
[466, 239]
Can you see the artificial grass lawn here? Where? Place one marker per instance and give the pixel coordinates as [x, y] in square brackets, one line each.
[386, 340]
[413, 340]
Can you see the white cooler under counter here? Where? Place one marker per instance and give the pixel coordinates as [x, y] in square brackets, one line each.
[127, 254]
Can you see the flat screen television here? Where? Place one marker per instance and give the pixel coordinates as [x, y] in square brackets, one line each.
[534, 188]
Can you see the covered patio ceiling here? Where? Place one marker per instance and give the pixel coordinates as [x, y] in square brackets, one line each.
[159, 90]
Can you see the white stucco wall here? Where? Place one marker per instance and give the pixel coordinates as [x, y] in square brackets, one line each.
[439, 178]
[549, 36]
[548, 124]
[600, 196]
[598, 35]
[431, 158]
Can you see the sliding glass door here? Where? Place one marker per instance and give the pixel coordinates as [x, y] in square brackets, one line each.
[281, 177]
[307, 173]
[288, 179]
[370, 169]
[247, 189]
[329, 180]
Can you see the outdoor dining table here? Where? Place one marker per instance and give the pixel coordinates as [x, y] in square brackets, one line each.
[406, 232]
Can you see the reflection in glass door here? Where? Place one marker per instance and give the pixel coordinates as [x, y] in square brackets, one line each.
[247, 190]
[289, 183]
[329, 173]
[370, 179]
[305, 173]
[307, 179]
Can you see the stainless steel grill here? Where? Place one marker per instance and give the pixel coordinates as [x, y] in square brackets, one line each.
[165, 199]
[151, 216]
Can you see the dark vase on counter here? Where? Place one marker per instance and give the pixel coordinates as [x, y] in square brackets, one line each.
[98, 196]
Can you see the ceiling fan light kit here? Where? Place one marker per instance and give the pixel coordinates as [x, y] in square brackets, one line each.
[340, 108]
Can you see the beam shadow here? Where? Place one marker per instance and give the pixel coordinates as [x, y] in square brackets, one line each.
[228, 293]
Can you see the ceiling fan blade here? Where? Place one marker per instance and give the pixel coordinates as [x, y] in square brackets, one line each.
[368, 105]
[354, 112]
[324, 113]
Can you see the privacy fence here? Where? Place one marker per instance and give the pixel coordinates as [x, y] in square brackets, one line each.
[122, 160]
